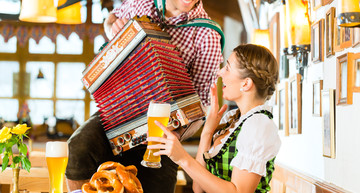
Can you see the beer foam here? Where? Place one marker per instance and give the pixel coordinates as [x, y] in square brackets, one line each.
[56, 149]
[159, 109]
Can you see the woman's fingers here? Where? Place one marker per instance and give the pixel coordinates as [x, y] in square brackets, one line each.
[167, 132]
[222, 110]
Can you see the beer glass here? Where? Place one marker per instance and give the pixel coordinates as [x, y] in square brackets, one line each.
[161, 112]
[56, 158]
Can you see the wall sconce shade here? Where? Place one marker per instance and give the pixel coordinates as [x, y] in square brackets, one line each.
[297, 22]
[41, 11]
[349, 14]
[283, 29]
[261, 37]
[298, 32]
[71, 14]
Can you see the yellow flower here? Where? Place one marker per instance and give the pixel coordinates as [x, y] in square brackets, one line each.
[5, 134]
[20, 129]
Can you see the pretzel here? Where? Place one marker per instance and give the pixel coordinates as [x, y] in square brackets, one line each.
[109, 165]
[129, 180]
[110, 181]
[103, 181]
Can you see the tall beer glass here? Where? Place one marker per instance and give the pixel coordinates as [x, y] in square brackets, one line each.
[161, 112]
[56, 158]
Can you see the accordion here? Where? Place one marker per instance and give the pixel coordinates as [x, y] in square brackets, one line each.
[139, 65]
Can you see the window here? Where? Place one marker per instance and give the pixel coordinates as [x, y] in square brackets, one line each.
[9, 46]
[74, 45]
[45, 46]
[7, 71]
[68, 84]
[41, 87]
[98, 42]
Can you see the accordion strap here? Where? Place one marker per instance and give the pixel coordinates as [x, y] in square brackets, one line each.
[197, 22]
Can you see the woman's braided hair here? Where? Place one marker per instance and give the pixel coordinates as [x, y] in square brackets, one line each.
[257, 62]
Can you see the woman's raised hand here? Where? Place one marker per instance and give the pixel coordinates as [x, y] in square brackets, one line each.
[214, 117]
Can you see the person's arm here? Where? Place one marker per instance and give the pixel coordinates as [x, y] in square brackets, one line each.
[207, 62]
[242, 180]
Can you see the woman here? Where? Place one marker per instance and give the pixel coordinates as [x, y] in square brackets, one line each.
[236, 153]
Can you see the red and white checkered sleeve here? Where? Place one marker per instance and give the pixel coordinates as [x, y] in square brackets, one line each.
[124, 10]
[207, 62]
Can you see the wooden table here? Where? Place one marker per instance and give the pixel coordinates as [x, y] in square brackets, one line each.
[35, 181]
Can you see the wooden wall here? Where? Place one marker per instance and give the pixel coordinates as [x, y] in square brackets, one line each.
[286, 180]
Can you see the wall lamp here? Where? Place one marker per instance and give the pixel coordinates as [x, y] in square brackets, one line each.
[349, 15]
[261, 37]
[298, 32]
[44, 11]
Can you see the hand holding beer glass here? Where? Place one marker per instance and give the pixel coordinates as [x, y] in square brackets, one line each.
[158, 111]
[56, 158]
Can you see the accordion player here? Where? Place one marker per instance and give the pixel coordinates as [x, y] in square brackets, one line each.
[139, 65]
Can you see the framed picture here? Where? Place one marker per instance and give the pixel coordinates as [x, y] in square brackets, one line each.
[325, 2]
[317, 87]
[329, 29]
[337, 38]
[354, 63]
[274, 30]
[295, 104]
[356, 36]
[284, 67]
[328, 123]
[316, 4]
[344, 77]
[282, 89]
[346, 37]
[317, 45]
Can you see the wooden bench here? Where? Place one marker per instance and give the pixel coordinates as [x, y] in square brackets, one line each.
[38, 180]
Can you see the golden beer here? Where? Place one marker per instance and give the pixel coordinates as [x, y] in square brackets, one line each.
[160, 112]
[56, 159]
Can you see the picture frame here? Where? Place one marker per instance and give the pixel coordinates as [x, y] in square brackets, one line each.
[328, 122]
[354, 63]
[274, 31]
[283, 103]
[295, 104]
[344, 77]
[316, 4]
[337, 37]
[317, 44]
[316, 100]
[346, 37]
[325, 2]
[329, 30]
[284, 67]
[356, 36]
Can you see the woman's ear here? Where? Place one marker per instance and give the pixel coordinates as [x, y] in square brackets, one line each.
[247, 84]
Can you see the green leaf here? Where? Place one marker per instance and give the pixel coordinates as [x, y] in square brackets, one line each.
[2, 147]
[5, 162]
[23, 149]
[17, 159]
[25, 163]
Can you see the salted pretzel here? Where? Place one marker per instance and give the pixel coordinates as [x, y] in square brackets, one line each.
[129, 180]
[114, 177]
[103, 181]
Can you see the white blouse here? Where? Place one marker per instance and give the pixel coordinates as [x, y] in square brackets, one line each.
[257, 143]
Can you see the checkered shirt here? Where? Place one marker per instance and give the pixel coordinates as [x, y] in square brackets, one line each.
[199, 47]
[219, 165]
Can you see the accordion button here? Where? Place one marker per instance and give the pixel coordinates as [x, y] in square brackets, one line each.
[121, 141]
[127, 137]
[119, 149]
[176, 123]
